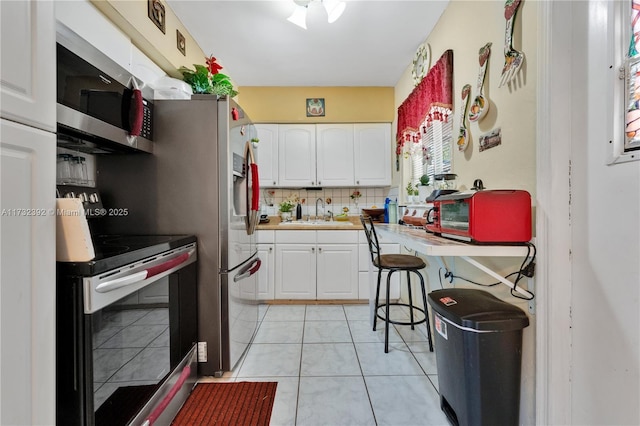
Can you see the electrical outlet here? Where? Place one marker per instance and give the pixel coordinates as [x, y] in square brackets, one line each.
[202, 351]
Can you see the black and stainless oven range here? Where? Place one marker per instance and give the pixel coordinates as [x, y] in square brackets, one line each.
[127, 331]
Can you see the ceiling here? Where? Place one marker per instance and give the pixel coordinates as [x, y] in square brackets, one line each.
[371, 44]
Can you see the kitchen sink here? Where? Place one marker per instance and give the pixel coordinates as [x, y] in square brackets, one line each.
[317, 223]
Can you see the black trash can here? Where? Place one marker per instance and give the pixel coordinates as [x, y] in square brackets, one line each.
[478, 341]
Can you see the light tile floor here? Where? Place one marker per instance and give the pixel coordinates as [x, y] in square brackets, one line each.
[331, 368]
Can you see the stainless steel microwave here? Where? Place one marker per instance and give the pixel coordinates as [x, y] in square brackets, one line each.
[101, 107]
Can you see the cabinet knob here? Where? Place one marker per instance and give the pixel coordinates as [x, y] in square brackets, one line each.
[313, 249]
[274, 182]
[270, 249]
[319, 249]
[319, 183]
[358, 182]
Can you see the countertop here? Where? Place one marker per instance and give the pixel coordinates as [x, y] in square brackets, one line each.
[432, 245]
[274, 224]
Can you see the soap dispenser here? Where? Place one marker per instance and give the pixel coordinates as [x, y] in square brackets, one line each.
[298, 212]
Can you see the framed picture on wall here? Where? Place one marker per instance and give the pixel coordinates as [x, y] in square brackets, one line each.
[156, 12]
[315, 107]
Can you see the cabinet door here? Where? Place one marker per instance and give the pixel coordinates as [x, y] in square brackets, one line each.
[295, 271]
[266, 272]
[337, 271]
[267, 153]
[28, 63]
[297, 155]
[334, 154]
[373, 147]
[27, 283]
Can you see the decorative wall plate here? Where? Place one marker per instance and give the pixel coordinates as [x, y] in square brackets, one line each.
[421, 63]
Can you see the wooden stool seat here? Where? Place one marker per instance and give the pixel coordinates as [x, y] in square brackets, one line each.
[399, 261]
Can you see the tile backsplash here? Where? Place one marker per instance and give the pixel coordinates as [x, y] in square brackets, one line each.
[335, 199]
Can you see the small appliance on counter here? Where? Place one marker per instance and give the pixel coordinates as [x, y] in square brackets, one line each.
[488, 216]
[414, 215]
[444, 184]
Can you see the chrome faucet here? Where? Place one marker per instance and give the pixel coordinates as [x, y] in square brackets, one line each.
[322, 201]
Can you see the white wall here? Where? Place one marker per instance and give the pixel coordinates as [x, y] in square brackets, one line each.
[605, 238]
[465, 27]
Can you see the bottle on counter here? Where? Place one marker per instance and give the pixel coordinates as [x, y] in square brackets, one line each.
[386, 210]
[298, 212]
[393, 211]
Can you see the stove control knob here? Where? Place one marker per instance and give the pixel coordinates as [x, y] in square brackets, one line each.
[83, 197]
[93, 198]
[70, 194]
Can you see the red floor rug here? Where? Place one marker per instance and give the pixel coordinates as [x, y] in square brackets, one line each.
[235, 403]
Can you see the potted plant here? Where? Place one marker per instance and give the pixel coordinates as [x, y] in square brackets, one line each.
[208, 79]
[424, 189]
[410, 190]
[286, 209]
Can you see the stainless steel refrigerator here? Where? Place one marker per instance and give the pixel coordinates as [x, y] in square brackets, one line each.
[201, 179]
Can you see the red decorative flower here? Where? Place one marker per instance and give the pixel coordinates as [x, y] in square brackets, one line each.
[213, 67]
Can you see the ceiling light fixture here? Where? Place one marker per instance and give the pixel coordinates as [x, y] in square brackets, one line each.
[334, 9]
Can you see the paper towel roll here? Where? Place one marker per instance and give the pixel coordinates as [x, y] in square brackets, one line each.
[73, 239]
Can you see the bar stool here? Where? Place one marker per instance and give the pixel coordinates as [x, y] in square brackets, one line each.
[395, 263]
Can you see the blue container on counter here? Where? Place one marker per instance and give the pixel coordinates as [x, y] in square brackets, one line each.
[386, 210]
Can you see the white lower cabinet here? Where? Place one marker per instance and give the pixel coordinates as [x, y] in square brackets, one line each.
[265, 240]
[295, 271]
[28, 274]
[316, 265]
[266, 253]
[367, 282]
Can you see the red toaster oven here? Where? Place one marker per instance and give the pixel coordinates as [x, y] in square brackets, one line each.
[488, 216]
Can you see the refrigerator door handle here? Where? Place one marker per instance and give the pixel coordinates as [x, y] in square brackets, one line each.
[248, 270]
[253, 203]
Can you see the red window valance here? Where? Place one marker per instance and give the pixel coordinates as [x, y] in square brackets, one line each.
[430, 100]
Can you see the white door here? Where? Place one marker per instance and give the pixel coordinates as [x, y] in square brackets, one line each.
[295, 271]
[373, 148]
[334, 154]
[297, 155]
[28, 63]
[337, 271]
[27, 283]
[267, 153]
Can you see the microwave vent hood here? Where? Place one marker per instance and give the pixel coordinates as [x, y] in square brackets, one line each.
[98, 104]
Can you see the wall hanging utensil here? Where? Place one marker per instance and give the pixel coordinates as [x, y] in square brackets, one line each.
[480, 104]
[513, 59]
[463, 137]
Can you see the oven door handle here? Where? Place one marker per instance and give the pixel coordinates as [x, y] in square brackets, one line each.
[143, 275]
[108, 286]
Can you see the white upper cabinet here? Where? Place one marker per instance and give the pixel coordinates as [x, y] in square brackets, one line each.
[28, 63]
[372, 154]
[267, 153]
[325, 155]
[297, 155]
[85, 20]
[334, 154]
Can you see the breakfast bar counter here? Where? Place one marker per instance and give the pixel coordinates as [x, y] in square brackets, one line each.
[432, 245]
